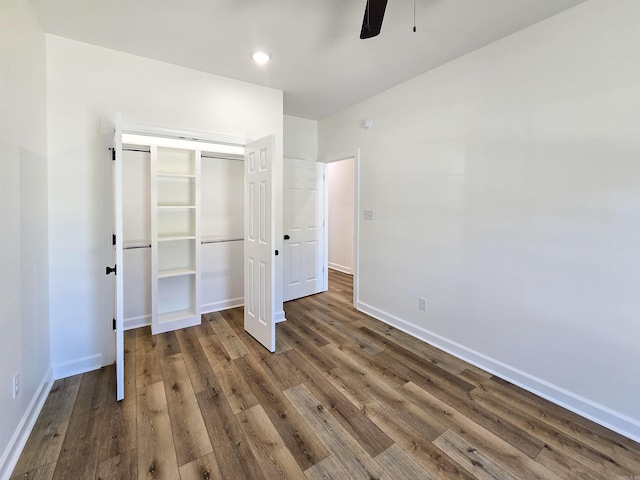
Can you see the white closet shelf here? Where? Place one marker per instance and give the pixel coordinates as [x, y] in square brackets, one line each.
[176, 316]
[176, 272]
[171, 238]
[175, 207]
[175, 175]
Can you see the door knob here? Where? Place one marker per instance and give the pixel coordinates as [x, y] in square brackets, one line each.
[287, 237]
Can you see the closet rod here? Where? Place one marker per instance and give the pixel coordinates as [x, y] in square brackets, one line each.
[237, 158]
[127, 149]
[133, 247]
[204, 242]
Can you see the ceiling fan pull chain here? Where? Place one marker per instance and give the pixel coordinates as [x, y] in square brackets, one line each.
[414, 16]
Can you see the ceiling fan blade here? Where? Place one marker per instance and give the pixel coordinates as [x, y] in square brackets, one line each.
[373, 15]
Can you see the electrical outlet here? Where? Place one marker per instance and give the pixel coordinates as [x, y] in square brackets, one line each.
[16, 384]
[422, 303]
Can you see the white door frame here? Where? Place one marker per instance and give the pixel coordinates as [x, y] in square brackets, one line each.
[355, 154]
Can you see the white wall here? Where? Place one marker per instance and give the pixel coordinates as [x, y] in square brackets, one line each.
[340, 177]
[300, 138]
[505, 189]
[85, 85]
[24, 315]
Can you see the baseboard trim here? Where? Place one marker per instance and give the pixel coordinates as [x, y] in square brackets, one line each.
[145, 320]
[19, 438]
[222, 305]
[340, 268]
[75, 367]
[280, 317]
[137, 322]
[600, 414]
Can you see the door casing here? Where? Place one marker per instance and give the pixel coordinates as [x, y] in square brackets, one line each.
[355, 154]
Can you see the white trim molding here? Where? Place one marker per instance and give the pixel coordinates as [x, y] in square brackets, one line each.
[355, 154]
[77, 366]
[584, 407]
[145, 320]
[222, 305]
[20, 436]
[279, 317]
[340, 268]
[137, 322]
[194, 135]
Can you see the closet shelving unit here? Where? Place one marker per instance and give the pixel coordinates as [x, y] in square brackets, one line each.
[175, 238]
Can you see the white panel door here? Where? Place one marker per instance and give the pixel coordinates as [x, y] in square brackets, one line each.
[259, 243]
[304, 205]
[118, 257]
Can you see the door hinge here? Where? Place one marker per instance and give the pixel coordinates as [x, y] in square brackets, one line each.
[114, 323]
[111, 270]
[113, 154]
[113, 239]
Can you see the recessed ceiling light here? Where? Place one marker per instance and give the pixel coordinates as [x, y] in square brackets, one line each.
[260, 57]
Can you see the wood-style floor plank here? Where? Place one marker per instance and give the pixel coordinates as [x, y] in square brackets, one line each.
[118, 431]
[204, 468]
[557, 423]
[45, 442]
[44, 472]
[189, 431]
[238, 393]
[156, 450]
[327, 469]
[200, 371]
[355, 461]
[480, 439]
[400, 466]
[369, 394]
[344, 397]
[130, 385]
[352, 419]
[234, 346]
[233, 455]
[565, 466]
[295, 432]
[147, 360]
[120, 467]
[79, 457]
[474, 461]
[271, 453]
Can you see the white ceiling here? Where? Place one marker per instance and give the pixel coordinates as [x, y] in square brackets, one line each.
[318, 61]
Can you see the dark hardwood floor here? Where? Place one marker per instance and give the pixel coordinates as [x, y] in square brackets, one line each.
[344, 397]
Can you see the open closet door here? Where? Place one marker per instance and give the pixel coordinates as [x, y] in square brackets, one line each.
[118, 256]
[259, 242]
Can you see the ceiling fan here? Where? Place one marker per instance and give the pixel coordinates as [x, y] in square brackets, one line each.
[373, 15]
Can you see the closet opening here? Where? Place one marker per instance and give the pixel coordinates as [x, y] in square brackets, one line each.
[191, 211]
